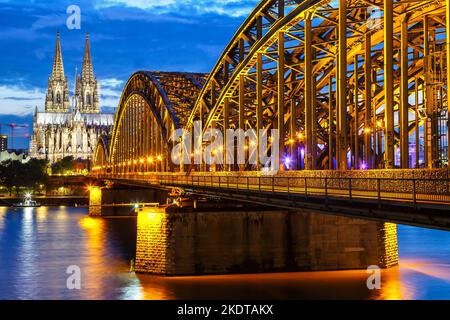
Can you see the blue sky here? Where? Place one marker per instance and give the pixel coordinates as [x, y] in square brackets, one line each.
[126, 36]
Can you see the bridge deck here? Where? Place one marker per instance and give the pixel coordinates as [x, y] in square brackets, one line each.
[428, 198]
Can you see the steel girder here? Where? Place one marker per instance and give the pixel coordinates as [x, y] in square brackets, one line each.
[152, 106]
[101, 154]
[317, 71]
[349, 84]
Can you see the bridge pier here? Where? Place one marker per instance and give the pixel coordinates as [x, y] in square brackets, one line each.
[95, 201]
[102, 199]
[174, 243]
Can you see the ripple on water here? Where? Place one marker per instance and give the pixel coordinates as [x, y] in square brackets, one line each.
[37, 246]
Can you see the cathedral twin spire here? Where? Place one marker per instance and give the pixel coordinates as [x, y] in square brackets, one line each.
[57, 99]
[58, 66]
[85, 99]
[87, 72]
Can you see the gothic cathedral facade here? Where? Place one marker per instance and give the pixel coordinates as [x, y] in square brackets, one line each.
[70, 129]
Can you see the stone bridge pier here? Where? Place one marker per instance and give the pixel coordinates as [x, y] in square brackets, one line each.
[172, 242]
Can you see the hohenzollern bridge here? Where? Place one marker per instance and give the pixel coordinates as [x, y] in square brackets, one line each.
[357, 90]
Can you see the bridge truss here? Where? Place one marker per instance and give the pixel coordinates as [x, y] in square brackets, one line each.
[152, 106]
[350, 84]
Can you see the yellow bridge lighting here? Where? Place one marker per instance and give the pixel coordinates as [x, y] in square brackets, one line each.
[316, 109]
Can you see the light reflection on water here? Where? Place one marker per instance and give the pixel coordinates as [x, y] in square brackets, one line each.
[37, 246]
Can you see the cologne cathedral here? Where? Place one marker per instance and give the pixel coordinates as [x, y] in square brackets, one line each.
[70, 129]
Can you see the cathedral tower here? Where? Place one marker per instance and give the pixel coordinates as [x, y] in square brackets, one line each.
[57, 99]
[58, 132]
[88, 101]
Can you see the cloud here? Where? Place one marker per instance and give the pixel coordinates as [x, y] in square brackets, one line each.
[232, 8]
[111, 83]
[25, 34]
[19, 100]
[110, 90]
[31, 28]
[138, 14]
[108, 109]
[49, 21]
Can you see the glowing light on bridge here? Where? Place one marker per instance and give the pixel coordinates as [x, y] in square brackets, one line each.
[344, 87]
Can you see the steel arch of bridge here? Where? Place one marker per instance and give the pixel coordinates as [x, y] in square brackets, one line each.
[316, 70]
[152, 106]
[101, 155]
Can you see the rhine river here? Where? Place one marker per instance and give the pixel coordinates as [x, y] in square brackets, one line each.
[38, 245]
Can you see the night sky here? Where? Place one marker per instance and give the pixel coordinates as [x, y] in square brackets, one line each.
[126, 36]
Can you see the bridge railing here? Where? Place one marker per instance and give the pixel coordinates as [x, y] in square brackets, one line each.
[381, 189]
[411, 190]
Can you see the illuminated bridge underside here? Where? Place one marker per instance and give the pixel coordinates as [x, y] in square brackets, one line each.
[349, 85]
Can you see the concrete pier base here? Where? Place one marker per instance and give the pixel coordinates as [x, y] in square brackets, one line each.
[174, 243]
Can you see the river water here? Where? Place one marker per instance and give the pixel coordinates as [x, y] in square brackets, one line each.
[38, 245]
